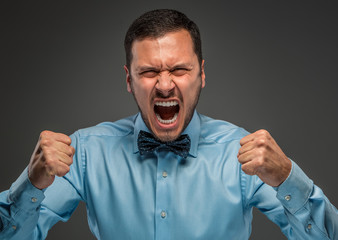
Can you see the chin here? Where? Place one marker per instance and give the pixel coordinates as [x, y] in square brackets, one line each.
[167, 137]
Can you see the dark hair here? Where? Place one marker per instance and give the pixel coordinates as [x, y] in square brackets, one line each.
[157, 23]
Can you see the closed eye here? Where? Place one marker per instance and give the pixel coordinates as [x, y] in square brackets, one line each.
[179, 71]
[149, 73]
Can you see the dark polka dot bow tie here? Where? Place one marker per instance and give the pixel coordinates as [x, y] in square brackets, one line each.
[147, 143]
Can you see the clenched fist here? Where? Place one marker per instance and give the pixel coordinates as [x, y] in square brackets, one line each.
[260, 155]
[52, 156]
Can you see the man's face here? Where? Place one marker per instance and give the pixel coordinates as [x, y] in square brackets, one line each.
[166, 79]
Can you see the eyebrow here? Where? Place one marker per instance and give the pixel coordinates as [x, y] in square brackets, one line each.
[155, 68]
[147, 68]
[182, 65]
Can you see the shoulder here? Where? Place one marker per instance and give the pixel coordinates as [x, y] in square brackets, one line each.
[220, 131]
[120, 128]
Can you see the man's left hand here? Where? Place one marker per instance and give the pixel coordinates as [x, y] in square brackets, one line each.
[260, 155]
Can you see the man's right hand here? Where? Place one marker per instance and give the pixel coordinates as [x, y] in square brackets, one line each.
[52, 156]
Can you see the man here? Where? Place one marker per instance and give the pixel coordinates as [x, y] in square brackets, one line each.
[167, 172]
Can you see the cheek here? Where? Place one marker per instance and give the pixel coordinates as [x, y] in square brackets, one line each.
[190, 89]
[142, 92]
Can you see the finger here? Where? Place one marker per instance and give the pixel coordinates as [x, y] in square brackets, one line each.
[250, 168]
[73, 150]
[246, 147]
[56, 136]
[53, 157]
[262, 133]
[59, 170]
[247, 139]
[63, 138]
[64, 158]
[62, 147]
[246, 157]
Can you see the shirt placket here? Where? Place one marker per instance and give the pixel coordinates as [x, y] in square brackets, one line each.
[164, 179]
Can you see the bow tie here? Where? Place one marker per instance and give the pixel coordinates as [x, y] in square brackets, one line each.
[147, 143]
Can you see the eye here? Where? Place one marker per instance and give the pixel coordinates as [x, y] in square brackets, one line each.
[179, 71]
[149, 73]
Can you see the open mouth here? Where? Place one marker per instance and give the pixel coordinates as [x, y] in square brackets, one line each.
[166, 112]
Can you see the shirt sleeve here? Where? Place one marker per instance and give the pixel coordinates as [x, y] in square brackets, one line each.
[19, 207]
[306, 206]
[28, 213]
[299, 207]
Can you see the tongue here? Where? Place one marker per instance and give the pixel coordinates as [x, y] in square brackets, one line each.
[166, 113]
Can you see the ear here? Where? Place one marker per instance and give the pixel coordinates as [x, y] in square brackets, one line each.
[128, 78]
[202, 74]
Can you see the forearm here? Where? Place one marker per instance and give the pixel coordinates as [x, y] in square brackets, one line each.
[309, 212]
[19, 209]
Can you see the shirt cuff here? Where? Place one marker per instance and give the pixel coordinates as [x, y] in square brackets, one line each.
[295, 191]
[24, 195]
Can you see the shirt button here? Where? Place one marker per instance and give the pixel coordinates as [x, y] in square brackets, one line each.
[287, 197]
[309, 226]
[34, 199]
[164, 174]
[163, 214]
[14, 227]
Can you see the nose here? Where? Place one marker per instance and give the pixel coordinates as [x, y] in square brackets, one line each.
[165, 84]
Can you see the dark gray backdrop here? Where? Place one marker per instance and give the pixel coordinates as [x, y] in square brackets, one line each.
[268, 65]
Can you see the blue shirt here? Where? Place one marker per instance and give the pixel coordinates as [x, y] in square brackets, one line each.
[162, 196]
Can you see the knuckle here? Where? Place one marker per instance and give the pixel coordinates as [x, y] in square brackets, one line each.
[261, 142]
[66, 139]
[51, 159]
[48, 152]
[262, 152]
[45, 133]
[260, 162]
[69, 140]
[49, 162]
[45, 141]
[72, 149]
[260, 131]
[68, 160]
[267, 134]
[263, 132]
[69, 151]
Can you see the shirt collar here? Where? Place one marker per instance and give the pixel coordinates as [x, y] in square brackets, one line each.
[193, 130]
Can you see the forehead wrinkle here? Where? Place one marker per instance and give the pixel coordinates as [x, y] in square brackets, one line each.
[152, 60]
[159, 57]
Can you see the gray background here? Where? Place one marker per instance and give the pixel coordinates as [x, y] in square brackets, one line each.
[268, 65]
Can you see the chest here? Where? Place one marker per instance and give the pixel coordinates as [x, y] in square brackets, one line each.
[160, 196]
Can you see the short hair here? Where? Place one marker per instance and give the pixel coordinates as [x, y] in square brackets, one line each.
[157, 23]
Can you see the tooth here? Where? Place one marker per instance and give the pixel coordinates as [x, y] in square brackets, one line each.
[166, 104]
[167, 121]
